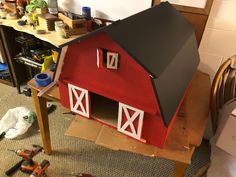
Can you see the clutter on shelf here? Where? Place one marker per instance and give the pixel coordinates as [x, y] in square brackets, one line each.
[35, 54]
[44, 17]
[37, 5]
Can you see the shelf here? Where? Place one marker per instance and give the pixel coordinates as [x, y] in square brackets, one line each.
[50, 36]
[6, 82]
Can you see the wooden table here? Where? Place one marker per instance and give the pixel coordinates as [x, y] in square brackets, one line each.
[186, 133]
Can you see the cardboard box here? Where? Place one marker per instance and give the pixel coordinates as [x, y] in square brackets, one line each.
[78, 26]
[108, 137]
[46, 21]
[227, 138]
[11, 6]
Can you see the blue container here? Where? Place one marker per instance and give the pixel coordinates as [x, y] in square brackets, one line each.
[42, 79]
[86, 13]
[3, 67]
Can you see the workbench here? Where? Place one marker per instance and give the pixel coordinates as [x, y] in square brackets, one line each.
[186, 133]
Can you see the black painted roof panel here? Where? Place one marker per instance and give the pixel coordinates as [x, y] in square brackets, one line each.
[152, 37]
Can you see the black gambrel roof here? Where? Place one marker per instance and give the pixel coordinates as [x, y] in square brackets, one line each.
[163, 42]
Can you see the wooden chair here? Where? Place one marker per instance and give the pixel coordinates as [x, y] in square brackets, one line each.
[222, 90]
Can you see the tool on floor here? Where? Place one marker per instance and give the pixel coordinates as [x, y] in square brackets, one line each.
[78, 174]
[28, 165]
[2, 135]
[40, 170]
[51, 107]
[27, 91]
[13, 169]
[70, 112]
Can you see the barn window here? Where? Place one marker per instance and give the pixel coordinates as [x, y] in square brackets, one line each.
[107, 59]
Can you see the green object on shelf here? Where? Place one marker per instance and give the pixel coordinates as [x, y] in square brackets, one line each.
[36, 4]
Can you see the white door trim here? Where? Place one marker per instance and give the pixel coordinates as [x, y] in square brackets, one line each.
[73, 92]
[135, 133]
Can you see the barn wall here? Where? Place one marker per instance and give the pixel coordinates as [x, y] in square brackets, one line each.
[130, 84]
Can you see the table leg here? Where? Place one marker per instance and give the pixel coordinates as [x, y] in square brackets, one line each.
[179, 169]
[40, 104]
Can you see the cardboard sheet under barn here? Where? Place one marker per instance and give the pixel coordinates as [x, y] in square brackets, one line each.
[133, 74]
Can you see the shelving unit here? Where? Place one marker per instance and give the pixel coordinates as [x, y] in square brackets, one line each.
[22, 66]
[5, 60]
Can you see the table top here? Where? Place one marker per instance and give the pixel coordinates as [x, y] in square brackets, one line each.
[50, 36]
[187, 130]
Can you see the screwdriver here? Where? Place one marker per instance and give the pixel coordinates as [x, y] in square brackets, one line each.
[79, 174]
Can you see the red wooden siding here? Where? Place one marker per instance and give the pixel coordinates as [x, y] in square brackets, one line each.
[130, 84]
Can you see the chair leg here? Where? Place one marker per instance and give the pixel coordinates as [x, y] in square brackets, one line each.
[202, 171]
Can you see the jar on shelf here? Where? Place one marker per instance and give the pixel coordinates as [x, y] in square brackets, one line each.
[3, 13]
[59, 28]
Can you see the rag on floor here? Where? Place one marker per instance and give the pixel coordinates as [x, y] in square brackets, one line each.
[16, 122]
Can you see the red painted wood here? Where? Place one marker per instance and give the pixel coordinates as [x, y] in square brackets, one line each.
[130, 84]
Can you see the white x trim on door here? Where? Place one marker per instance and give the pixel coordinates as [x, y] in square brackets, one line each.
[77, 105]
[123, 110]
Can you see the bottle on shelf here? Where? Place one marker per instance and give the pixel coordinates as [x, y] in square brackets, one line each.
[52, 7]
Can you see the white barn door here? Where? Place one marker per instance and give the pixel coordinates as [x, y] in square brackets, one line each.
[126, 121]
[79, 100]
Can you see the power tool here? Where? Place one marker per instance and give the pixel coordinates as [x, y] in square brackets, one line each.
[28, 165]
[40, 170]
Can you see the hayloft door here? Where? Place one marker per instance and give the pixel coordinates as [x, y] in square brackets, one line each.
[130, 121]
[79, 100]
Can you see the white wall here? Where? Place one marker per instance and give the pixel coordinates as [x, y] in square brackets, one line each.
[218, 41]
[219, 38]
[107, 9]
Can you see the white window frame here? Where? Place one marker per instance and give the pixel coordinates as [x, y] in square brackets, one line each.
[112, 60]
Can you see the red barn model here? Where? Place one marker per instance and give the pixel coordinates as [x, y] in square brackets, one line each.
[133, 74]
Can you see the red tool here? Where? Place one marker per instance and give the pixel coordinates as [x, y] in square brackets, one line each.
[28, 165]
[40, 170]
